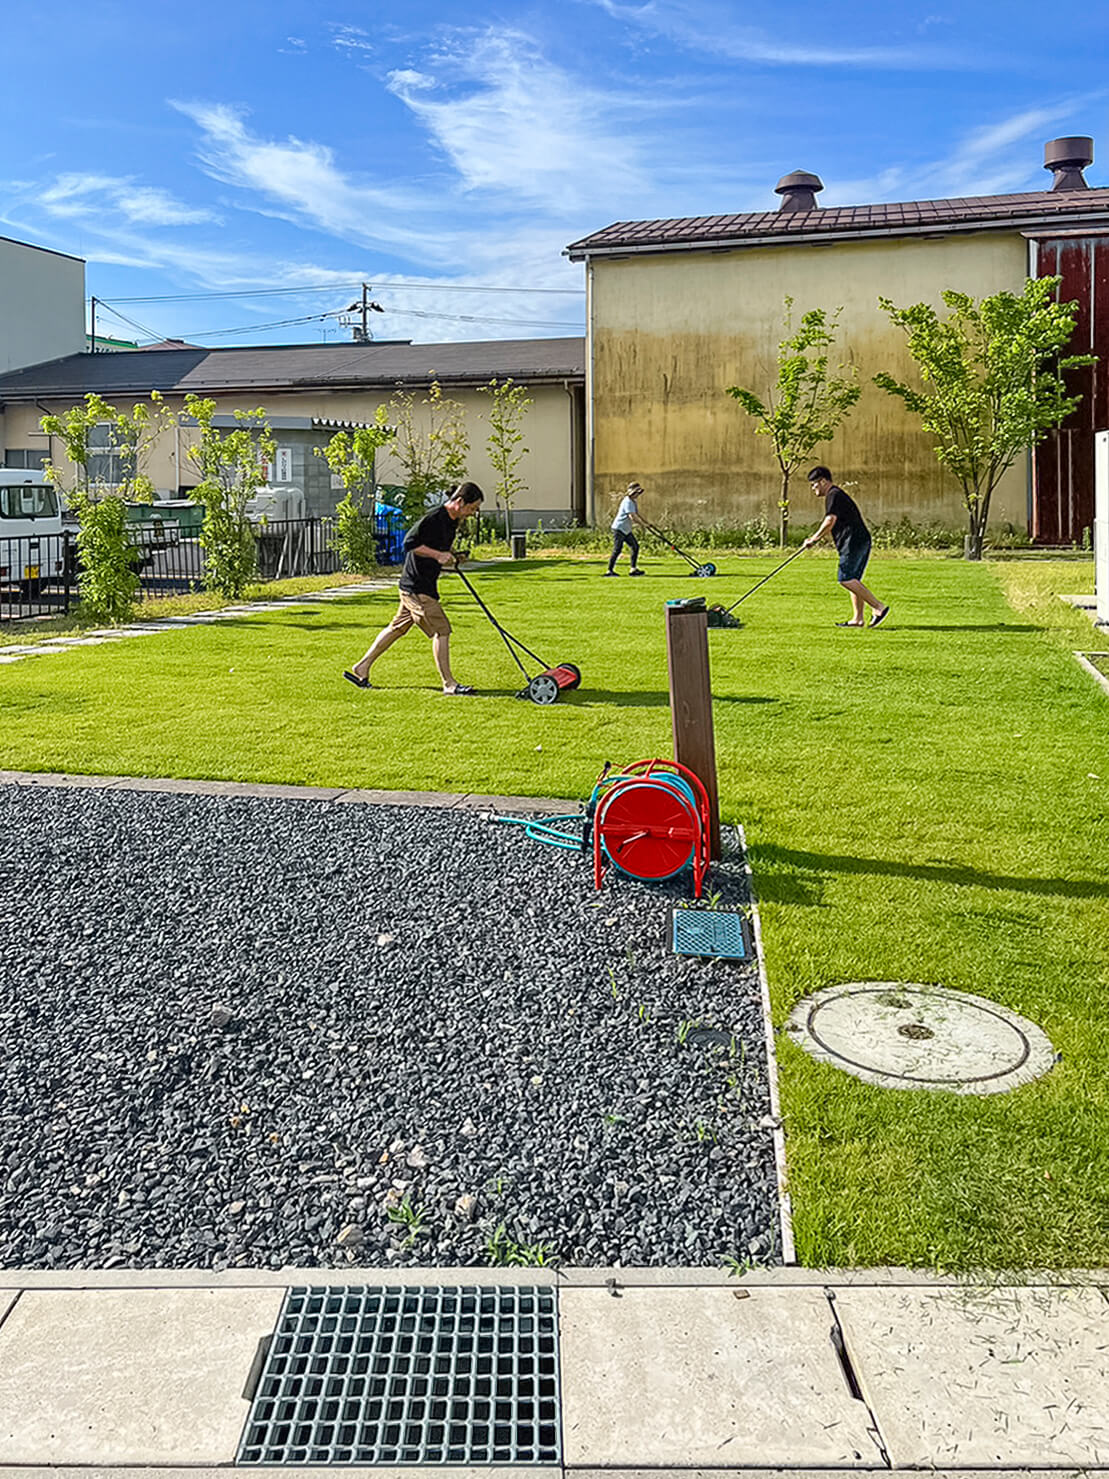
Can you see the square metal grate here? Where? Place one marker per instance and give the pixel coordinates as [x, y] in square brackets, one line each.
[710, 932]
[382, 1375]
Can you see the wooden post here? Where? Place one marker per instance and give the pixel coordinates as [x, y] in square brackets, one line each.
[687, 657]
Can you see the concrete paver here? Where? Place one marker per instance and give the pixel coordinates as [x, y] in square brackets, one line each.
[980, 1377]
[136, 1377]
[687, 1377]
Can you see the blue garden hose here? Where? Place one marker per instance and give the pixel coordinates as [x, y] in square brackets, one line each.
[551, 830]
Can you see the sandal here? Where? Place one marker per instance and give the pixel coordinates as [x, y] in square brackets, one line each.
[356, 680]
[458, 688]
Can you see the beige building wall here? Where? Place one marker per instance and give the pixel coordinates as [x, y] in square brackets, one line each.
[548, 433]
[42, 305]
[670, 332]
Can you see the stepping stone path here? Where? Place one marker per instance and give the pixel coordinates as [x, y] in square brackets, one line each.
[17, 652]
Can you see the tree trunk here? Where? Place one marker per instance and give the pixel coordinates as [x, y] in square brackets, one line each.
[783, 512]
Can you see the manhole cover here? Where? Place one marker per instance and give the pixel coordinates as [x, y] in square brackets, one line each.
[409, 1376]
[710, 932]
[920, 1037]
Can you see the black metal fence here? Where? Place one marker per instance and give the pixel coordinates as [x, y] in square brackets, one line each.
[38, 575]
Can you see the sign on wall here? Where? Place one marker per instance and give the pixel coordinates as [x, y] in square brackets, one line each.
[283, 465]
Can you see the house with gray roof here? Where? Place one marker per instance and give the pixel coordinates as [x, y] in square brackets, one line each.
[310, 390]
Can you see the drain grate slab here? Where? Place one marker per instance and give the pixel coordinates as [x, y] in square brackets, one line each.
[710, 932]
[379, 1375]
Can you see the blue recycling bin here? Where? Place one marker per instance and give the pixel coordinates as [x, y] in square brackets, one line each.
[389, 531]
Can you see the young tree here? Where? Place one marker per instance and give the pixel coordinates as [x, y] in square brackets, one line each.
[107, 557]
[509, 404]
[993, 383]
[231, 465]
[351, 457]
[806, 403]
[433, 460]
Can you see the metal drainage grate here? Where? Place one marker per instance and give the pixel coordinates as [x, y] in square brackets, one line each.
[710, 932]
[409, 1376]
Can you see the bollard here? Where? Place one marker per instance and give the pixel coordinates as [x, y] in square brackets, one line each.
[687, 657]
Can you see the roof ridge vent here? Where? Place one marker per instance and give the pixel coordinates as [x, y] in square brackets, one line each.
[798, 191]
[1067, 158]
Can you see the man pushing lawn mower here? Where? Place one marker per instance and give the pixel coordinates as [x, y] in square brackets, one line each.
[852, 541]
[427, 551]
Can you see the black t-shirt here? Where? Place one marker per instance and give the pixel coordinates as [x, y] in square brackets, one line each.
[436, 530]
[849, 527]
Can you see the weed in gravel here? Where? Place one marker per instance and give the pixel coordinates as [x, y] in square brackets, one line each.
[685, 1027]
[503, 1251]
[735, 1265]
[409, 1216]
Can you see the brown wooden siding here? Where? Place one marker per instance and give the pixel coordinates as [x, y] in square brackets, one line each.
[1063, 464]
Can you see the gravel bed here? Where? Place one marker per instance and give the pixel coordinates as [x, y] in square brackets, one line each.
[251, 1033]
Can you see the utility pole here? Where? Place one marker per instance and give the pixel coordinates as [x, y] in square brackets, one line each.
[92, 336]
[363, 308]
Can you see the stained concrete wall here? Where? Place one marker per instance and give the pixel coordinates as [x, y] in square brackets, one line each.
[552, 467]
[670, 332]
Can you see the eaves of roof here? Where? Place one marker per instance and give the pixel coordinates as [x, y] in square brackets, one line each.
[258, 370]
[1047, 210]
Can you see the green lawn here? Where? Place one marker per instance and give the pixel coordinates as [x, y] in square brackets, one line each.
[925, 803]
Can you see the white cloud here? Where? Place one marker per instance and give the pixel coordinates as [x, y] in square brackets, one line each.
[994, 159]
[711, 28]
[351, 39]
[515, 125]
[302, 182]
[405, 79]
[79, 196]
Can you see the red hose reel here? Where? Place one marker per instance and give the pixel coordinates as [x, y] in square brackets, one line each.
[651, 820]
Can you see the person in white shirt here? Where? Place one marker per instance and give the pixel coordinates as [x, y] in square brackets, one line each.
[622, 530]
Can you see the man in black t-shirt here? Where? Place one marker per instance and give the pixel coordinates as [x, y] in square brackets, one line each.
[852, 541]
[427, 550]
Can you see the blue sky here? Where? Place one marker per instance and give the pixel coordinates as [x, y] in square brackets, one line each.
[432, 148]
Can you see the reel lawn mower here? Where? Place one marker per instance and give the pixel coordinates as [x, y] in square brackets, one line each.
[545, 686]
[706, 569]
[721, 616]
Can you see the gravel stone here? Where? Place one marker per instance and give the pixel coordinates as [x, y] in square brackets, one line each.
[528, 1039]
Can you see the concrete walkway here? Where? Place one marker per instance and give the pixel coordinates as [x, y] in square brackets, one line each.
[660, 1372]
[95, 638]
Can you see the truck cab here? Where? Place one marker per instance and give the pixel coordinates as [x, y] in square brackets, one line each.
[32, 544]
[30, 505]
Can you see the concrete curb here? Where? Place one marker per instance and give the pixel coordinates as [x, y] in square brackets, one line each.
[459, 800]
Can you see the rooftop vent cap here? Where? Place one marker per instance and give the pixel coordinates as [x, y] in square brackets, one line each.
[1067, 158]
[798, 191]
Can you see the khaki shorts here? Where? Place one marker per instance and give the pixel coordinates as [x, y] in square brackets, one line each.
[424, 612]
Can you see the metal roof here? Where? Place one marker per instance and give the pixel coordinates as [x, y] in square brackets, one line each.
[299, 367]
[1051, 208]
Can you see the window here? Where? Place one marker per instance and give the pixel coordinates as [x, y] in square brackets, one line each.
[28, 501]
[110, 462]
[25, 457]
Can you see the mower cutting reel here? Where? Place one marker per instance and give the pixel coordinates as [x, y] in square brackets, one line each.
[545, 687]
[706, 569]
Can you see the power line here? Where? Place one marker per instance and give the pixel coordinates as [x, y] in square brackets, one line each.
[134, 323]
[402, 312]
[344, 287]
